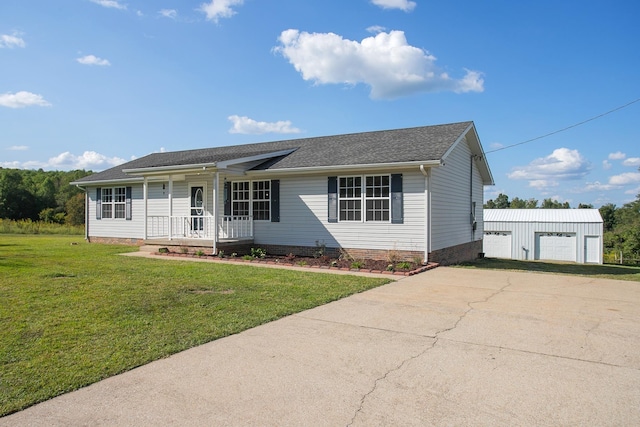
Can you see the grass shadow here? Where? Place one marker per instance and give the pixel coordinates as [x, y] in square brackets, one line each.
[609, 270]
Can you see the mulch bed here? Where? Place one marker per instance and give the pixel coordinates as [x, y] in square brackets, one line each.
[323, 262]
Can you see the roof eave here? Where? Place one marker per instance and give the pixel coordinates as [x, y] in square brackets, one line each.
[337, 168]
[132, 180]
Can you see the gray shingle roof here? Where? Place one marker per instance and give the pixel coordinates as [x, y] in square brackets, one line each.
[425, 143]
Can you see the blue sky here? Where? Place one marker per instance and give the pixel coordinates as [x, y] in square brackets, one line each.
[94, 83]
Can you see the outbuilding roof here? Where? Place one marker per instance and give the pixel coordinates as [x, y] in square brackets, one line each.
[543, 215]
[411, 145]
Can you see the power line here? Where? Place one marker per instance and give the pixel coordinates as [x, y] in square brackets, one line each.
[567, 128]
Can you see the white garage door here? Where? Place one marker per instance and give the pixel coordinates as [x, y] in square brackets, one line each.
[497, 244]
[556, 246]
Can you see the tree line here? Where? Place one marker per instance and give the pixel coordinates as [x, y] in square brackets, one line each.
[621, 225]
[40, 195]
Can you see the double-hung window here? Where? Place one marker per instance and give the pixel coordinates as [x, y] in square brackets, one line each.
[261, 200]
[374, 196]
[251, 198]
[240, 198]
[350, 191]
[377, 198]
[114, 202]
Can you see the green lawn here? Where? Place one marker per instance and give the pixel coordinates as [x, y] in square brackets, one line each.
[73, 313]
[606, 271]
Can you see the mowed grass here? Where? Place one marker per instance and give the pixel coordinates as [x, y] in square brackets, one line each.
[73, 313]
[606, 271]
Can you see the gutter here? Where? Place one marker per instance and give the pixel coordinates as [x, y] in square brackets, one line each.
[367, 167]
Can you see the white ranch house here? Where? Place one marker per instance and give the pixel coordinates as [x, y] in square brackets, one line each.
[416, 191]
[544, 234]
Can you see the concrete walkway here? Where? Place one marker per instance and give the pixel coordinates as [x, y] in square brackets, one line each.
[446, 347]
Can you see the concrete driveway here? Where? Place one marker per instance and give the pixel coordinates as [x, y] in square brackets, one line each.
[447, 347]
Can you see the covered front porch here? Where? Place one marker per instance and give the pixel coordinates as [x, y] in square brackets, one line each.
[199, 228]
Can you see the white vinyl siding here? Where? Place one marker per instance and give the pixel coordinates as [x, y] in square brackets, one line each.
[133, 229]
[303, 219]
[451, 200]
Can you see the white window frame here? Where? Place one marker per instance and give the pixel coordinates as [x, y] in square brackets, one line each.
[114, 199]
[251, 192]
[265, 192]
[347, 194]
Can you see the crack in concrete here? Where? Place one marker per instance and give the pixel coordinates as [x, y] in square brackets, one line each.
[436, 337]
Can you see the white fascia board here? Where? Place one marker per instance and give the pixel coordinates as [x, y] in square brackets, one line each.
[132, 180]
[156, 170]
[342, 168]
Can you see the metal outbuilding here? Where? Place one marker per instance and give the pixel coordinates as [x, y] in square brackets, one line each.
[544, 234]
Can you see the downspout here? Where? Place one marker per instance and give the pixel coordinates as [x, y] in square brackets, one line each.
[216, 182]
[471, 218]
[170, 207]
[145, 195]
[86, 212]
[472, 213]
[427, 211]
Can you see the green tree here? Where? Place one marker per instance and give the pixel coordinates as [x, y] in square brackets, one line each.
[554, 204]
[75, 210]
[608, 214]
[585, 206]
[16, 202]
[501, 202]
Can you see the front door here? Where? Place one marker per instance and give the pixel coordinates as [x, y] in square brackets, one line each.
[197, 210]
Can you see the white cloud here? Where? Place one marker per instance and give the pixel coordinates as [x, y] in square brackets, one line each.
[563, 164]
[216, 9]
[496, 146]
[169, 13]
[113, 4]
[617, 156]
[87, 160]
[606, 165]
[632, 161]
[93, 60]
[404, 5]
[541, 184]
[67, 161]
[246, 125]
[385, 62]
[11, 41]
[597, 186]
[375, 29]
[18, 148]
[22, 99]
[625, 178]
[633, 191]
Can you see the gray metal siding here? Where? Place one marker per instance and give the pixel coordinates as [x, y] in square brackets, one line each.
[523, 235]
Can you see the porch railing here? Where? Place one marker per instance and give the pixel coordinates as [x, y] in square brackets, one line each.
[199, 227]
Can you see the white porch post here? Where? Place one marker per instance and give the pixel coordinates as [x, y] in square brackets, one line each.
[216, 182]
[170, 207]
[145, 195]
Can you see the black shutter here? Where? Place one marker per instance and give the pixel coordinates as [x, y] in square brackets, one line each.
[227, 198]
[127, 208]
[396, 199]
[275, 200]
[333, 198]
[99, 203]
